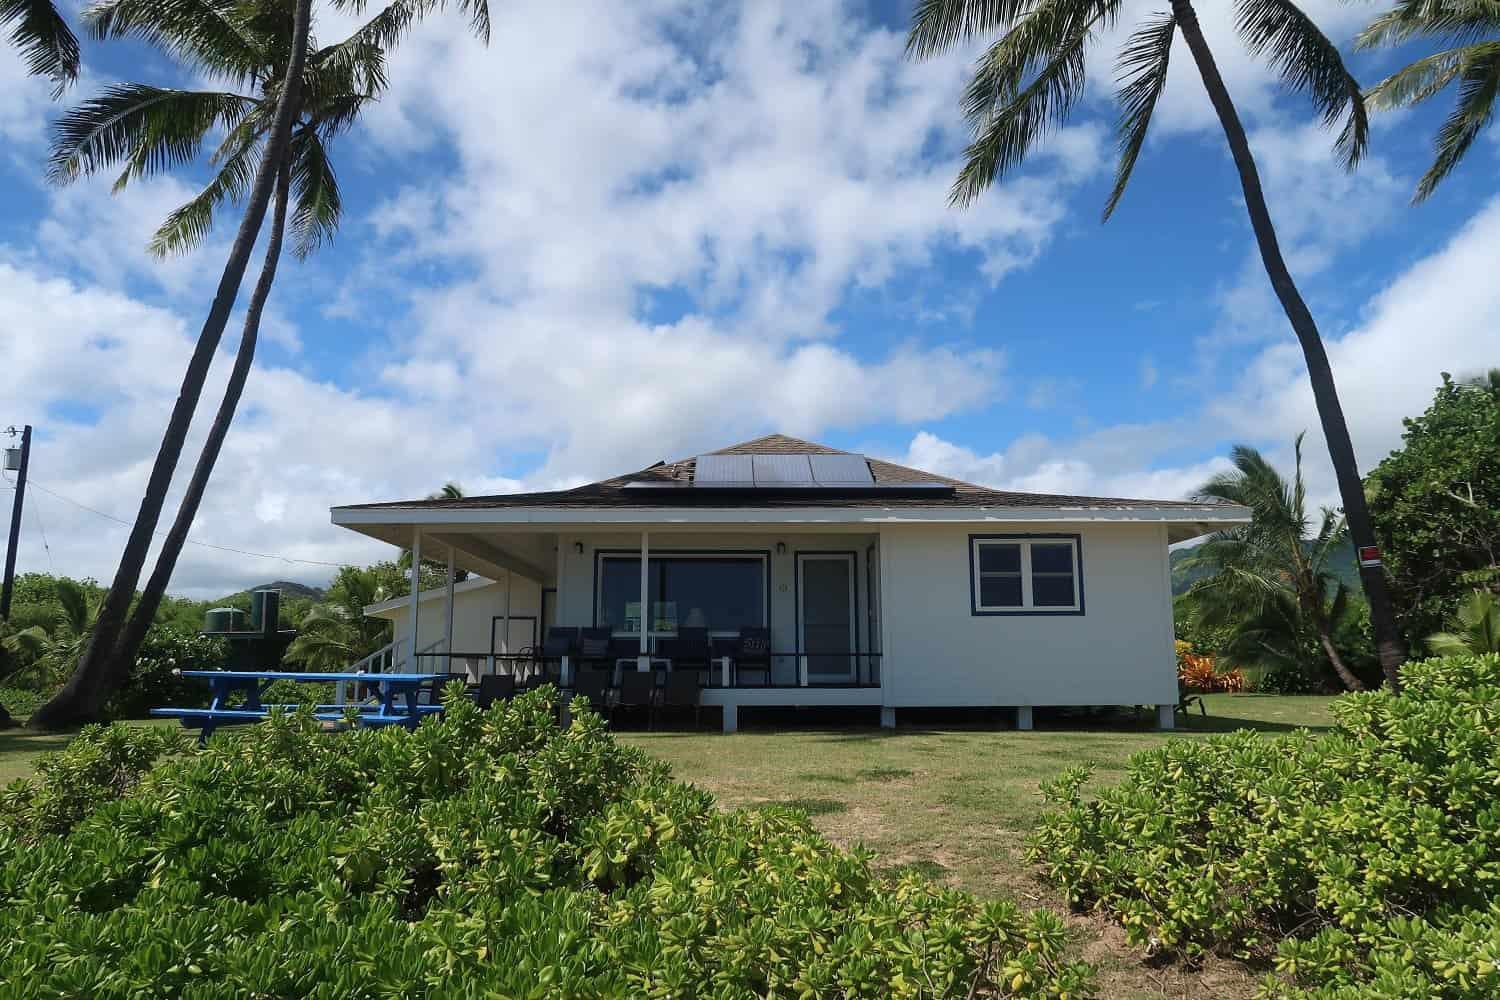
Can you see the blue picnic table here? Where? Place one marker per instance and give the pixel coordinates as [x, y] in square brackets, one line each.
[398, 704]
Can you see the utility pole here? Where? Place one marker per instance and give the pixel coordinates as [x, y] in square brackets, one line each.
[15, 517]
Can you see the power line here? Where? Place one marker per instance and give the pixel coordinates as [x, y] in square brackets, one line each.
[190, 541]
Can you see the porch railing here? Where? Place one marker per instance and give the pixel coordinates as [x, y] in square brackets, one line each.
[795, 669]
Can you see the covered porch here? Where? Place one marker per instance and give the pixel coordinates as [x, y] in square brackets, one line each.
[813, 591]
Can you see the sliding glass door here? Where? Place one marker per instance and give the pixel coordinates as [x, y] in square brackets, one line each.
[827, 617]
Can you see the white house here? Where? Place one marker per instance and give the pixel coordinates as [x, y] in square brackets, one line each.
[881, 585]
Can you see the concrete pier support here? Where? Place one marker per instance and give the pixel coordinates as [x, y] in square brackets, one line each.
[1023, 718]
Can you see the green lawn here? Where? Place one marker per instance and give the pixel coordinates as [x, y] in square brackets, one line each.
[956, 802]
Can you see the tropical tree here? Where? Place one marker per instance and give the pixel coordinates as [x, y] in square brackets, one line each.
[53, 647]
[1271, 581]
[262, 47]
[1028, 80]
[1435, 501]
[1469, 30]
[1476, 628]
[149, 129]
[336, 631]
[44, 38]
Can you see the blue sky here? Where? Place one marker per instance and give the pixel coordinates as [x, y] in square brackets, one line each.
[617, 235]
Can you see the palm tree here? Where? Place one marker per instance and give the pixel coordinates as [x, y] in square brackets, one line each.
[1271, 581]
[55, 646]
[149, 129]
[1477, 628]
[1470, 32]
[1027, 82]
[336, 631]
[44, 38]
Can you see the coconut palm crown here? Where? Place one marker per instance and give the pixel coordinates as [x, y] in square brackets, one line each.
[1271, 579]
[1469, 30]
[145, 129]
[1029, 80]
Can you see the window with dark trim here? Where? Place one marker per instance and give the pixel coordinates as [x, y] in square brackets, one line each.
[718, 592]
[1026, 574]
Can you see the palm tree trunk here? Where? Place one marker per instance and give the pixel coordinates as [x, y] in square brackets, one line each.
[82, 698]
[166, 561]
[1335, 431]
[1346, 676]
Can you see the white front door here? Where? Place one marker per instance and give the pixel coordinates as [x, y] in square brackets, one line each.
[827, 629]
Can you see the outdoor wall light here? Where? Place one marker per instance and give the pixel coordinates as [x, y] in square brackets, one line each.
[781, 548]
[578, 546]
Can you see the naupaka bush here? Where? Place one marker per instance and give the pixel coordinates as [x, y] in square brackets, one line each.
[487, 854]
[1363, 862]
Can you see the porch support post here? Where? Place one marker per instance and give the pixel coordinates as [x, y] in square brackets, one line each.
[887, 718]
[505, 618]
[416, 592]
[1166, 717]
[643, 658]
[731, 718]
[1023, 718]
[448, 612]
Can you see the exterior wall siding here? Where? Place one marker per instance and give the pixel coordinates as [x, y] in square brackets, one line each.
[1119, 652]
[474, 612]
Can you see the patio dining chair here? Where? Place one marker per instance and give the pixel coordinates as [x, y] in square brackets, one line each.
[684, 690]
[593, 686]
[637, 690]
[561, 642]
[594, 650]
[687, 650]
[493, 688]
[752, 654]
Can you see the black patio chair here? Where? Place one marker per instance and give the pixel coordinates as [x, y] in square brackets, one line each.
[687, 650]
[594, 649]
[684, 690]
[752, 653]
[637, 690]
[431, 693]
[593, 686]
[493, 688]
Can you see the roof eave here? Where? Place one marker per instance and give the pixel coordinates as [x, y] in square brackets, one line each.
[1214, 517]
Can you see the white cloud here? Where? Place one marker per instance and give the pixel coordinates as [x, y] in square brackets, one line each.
[1440, 315]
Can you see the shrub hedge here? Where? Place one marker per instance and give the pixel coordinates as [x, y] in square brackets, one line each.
[1360, 863]
[487, 854]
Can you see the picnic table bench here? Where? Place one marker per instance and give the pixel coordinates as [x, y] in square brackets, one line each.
[398, 703]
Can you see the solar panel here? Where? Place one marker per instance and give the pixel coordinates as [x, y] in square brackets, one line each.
[841, 470]
[724, 470]
[782, 470]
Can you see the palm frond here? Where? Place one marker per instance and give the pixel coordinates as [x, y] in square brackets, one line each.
[1478, 84]
[210, 34]
[1418, 82]
[1008, 118]
[1308, 62]
[74, 617]
[46, 42]
[1460, 21]
[938, 25]
[1142, 77]
[390, 26]
[149, 128]
[31, 643]
[316, 217]
[190, 224]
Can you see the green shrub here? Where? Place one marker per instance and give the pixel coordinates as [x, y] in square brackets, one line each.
[487, 854]
[154, 681]
[101, 765]
[1361, 863]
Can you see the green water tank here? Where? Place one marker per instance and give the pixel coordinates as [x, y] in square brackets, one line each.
[220, 620]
